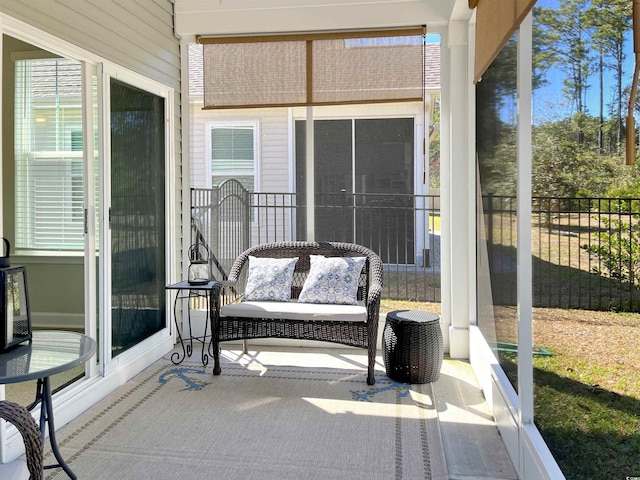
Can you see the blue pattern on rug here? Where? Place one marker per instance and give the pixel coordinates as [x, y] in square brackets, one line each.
[402, 390]
[181, 373]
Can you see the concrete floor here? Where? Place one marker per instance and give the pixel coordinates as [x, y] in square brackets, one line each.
[473, 448]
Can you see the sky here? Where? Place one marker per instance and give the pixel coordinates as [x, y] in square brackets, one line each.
[549, 102]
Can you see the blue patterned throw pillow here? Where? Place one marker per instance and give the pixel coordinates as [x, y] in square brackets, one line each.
[332, 280]
[270, 279]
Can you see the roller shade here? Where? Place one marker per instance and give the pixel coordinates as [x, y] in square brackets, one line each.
[314, 69]
[496, 20]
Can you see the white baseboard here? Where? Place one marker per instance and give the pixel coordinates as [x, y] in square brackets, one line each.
[527, 449]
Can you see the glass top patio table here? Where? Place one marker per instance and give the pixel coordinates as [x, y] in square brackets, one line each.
[49, 353]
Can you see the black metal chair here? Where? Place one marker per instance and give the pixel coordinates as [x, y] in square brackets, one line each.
[18, 469]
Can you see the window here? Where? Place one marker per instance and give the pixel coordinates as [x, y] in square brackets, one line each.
[233, 154]
[48, 155]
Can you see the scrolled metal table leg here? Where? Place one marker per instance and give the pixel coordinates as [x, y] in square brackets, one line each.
[205, 357]
[214, 307]
[175, 356]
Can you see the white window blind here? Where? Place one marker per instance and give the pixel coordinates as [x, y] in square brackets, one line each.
[232, 150]
[233, 154]
[49, 192]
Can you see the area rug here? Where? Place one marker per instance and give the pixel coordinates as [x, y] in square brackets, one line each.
[276, 423]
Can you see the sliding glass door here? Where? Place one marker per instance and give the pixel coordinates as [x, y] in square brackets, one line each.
[384, 182]
[88, 155]
[364, 183]
[51, 187]
[137, 215]
[57, 183]
[333, 174]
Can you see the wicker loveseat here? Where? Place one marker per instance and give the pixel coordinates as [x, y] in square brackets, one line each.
[19, 469]
[237, 316]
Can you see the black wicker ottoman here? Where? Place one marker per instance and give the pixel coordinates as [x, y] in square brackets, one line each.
[413, 346]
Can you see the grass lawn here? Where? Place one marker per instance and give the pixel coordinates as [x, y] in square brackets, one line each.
[587, 394]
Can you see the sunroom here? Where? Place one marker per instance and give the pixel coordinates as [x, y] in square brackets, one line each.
[121, 75]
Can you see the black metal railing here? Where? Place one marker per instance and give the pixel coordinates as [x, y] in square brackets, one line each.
[573, 240]
[402, 229]
[585, 251]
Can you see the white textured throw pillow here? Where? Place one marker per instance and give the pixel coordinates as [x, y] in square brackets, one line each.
[332, 280]
[270, 279]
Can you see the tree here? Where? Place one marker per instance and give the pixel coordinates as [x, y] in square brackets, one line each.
[434, 147]
[565, 37]
[561, 168]
[496, 97]
[611, 20]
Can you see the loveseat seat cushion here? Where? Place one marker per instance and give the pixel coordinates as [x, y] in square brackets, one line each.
[294, 310]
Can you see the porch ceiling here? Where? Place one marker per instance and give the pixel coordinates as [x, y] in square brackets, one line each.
[228, 17]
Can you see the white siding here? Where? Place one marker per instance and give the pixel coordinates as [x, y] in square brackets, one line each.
[274, 165]
[272, 157]
[198, 165]
[273, 161]
[137, 35]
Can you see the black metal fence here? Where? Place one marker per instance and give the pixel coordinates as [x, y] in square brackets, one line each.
[585, 250]
[403, 229]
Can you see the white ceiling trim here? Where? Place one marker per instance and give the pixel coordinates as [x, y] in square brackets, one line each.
[231, 17]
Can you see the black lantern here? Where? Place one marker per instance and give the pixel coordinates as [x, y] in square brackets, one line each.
[15, 318]
[199, 269]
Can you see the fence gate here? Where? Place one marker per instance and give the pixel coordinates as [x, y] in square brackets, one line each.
[221, 220]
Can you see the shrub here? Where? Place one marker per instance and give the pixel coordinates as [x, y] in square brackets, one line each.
[618, 249]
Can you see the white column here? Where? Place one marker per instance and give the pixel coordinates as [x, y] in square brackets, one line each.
[460, 213]
[310, 177]
[525, 288]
